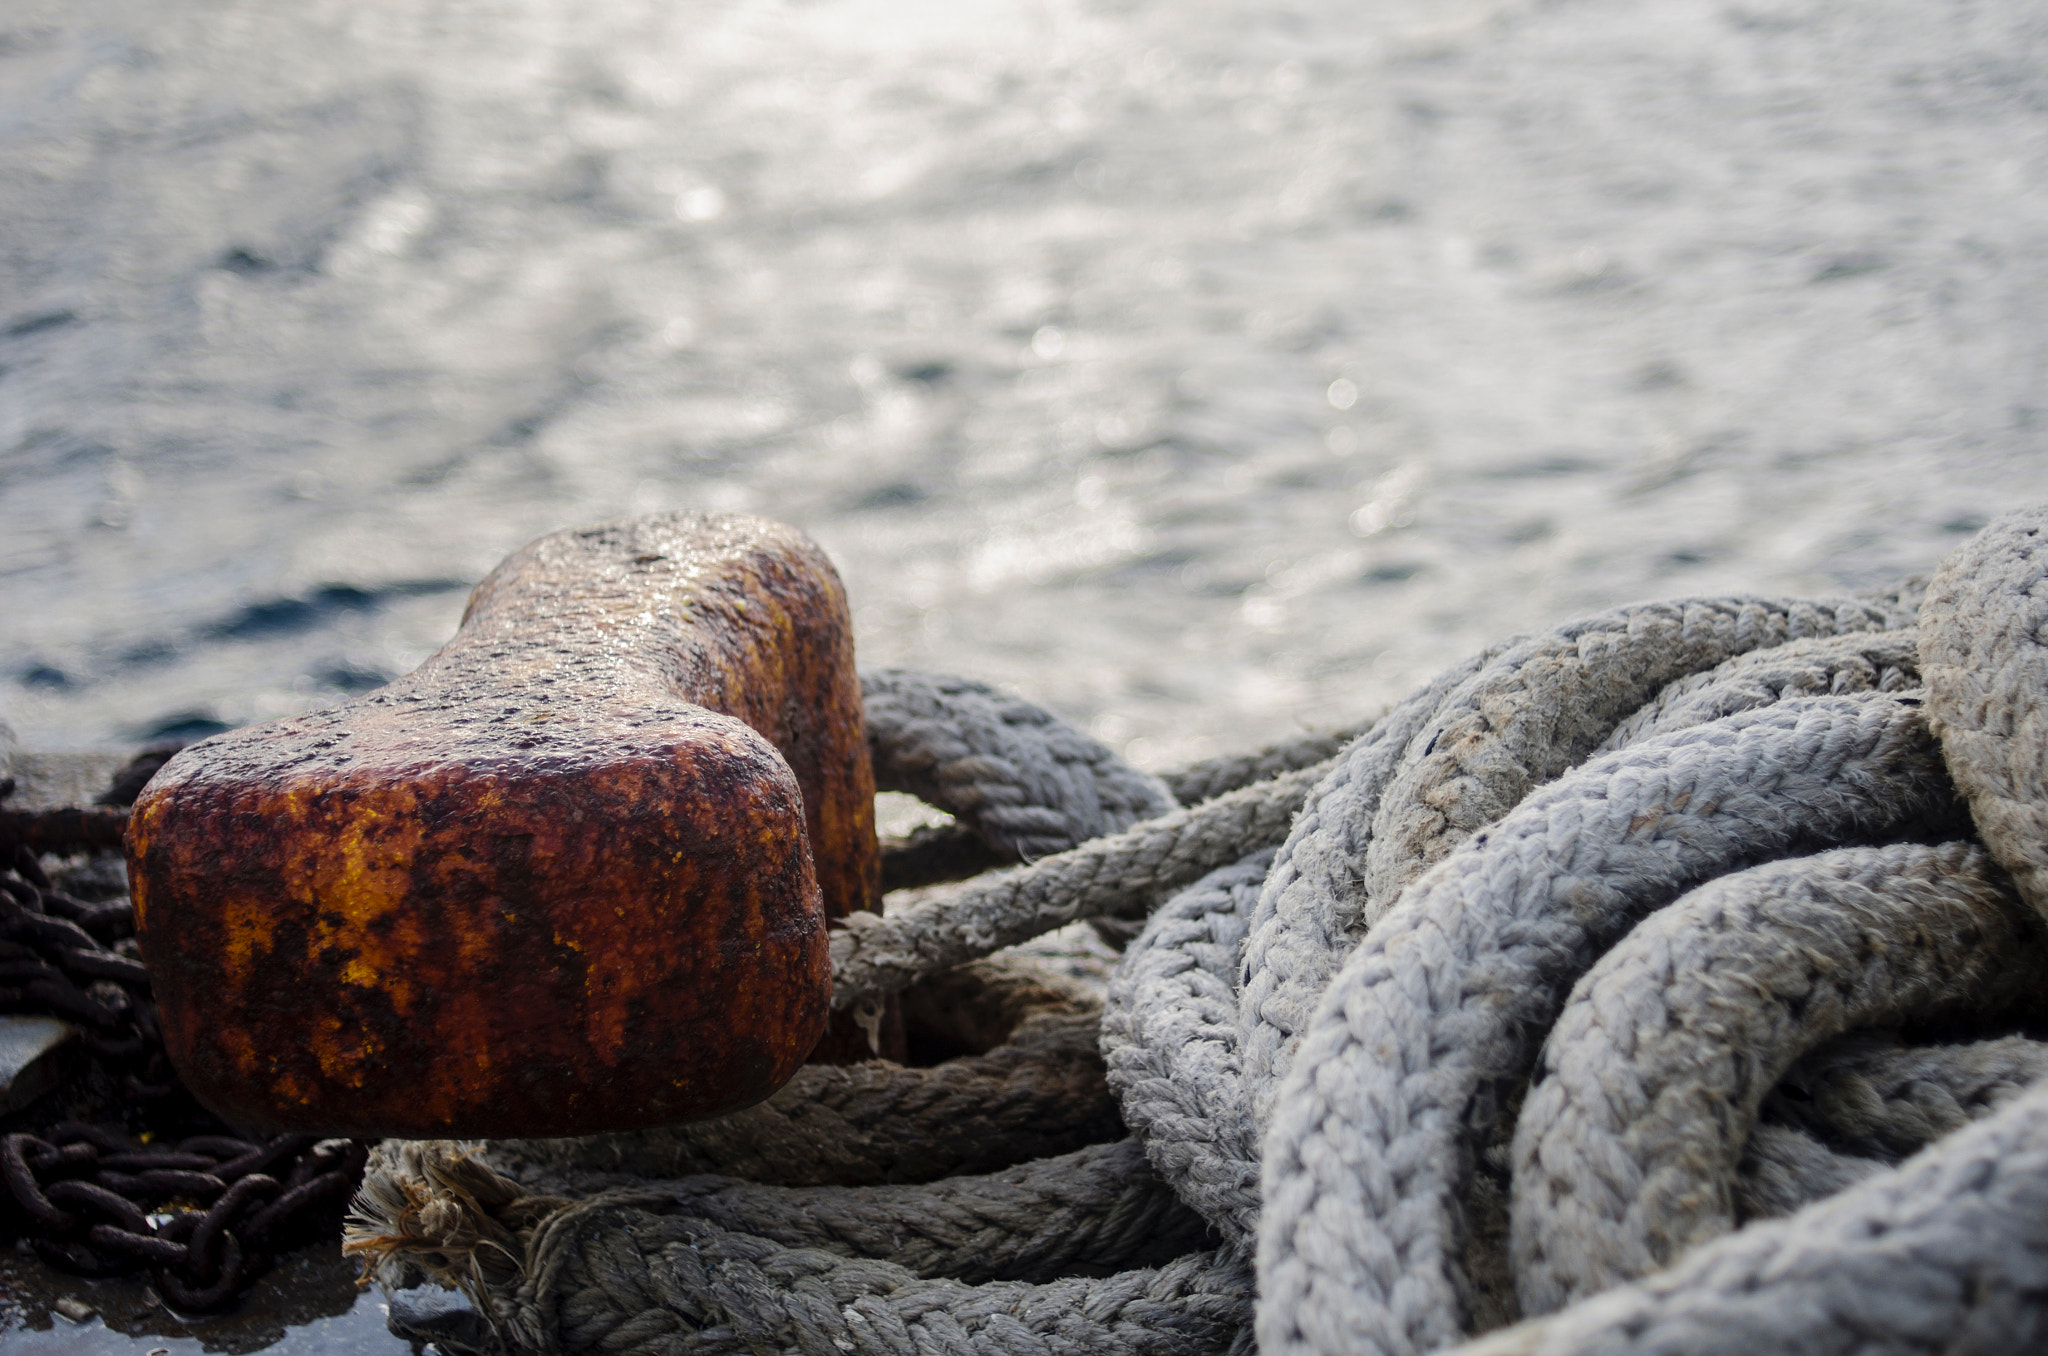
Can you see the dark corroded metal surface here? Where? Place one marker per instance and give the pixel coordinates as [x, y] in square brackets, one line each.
[555, 880]
[57, 830]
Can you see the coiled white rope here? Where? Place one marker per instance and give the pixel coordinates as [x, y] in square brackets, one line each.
[1700, 846]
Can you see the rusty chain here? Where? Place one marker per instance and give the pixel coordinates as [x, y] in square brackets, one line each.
[205, 1214]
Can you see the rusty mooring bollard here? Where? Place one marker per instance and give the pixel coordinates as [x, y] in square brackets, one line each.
[558, 879]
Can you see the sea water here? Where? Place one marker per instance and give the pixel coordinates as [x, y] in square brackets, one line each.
[1204, 369]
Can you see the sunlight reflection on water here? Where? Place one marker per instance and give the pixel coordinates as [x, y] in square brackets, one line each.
[1224, 368]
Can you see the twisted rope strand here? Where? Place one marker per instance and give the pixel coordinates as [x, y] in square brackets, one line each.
[1626, 1152]
[1321, 1035]
[1025, 781]
[1876, 1096]
[1311, 912]
[1865, 661]
[1948, 1253]
[1437, 1012]
[1040, 1092]
[1984, 650]
[1546, 703]
[1170, 1041]
[1124, 874]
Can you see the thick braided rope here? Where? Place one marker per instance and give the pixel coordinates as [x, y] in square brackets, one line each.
[1435, 1016]
[1456, 756]
[616, 1278]
[667, 1266]
[1170, 1040]
[1039, 1093]
[1947, 1253]
[1170, 1031]
[1212, 777]
[1870, 661]
[1984, 653]
[1099, 1208]
[1626, 1151]
[1125, 874]
[1877, 1097]
[592, 1313]
[1864, 1103]
[1025, 781]
[1310, 914]
[1548, 702]
[1175, 1059]
[1784, 1169]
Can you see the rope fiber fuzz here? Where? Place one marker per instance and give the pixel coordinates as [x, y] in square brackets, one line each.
[1664, 982]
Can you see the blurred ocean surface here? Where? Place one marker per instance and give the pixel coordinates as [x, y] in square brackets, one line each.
[1205, 369]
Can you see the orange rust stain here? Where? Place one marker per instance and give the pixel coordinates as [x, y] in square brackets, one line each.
[638, 916]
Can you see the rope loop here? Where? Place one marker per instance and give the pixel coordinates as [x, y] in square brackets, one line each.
[1661, 982]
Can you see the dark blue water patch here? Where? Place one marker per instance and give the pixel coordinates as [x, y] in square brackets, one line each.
[527, 426]
[1126, 451]
[275, 617]
[246, 262]
[1168, 561]
[1547, 465]
[44, 677]
[895, 494]
[1849, 266]
[1393, 572]
[1206, 580]
[1965, 523]
[184, 726]
[50, 451]
[929, 373]
[433, 473]
[147, 653]
[351, 678]
[287, 616]
[38, 324]
[1683, 558]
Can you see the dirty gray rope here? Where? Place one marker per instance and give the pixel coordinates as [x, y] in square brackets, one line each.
[1369, 977]
[1037, 1091]
[1945, 1253]
[1444, 764]
[1094, 1207]
[1026, 784]
[1025, 781]
[1882, 1099]
[645, 1263]
[1547, 703]
[1868, 661]
[1124, 874]
[1435, 1015]
[1629, 1138]
[1985, 653]
[1864, 1104]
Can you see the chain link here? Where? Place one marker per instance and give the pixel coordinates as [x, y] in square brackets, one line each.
[206, 1215]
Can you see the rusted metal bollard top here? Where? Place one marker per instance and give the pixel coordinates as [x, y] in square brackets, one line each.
[558, 879]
